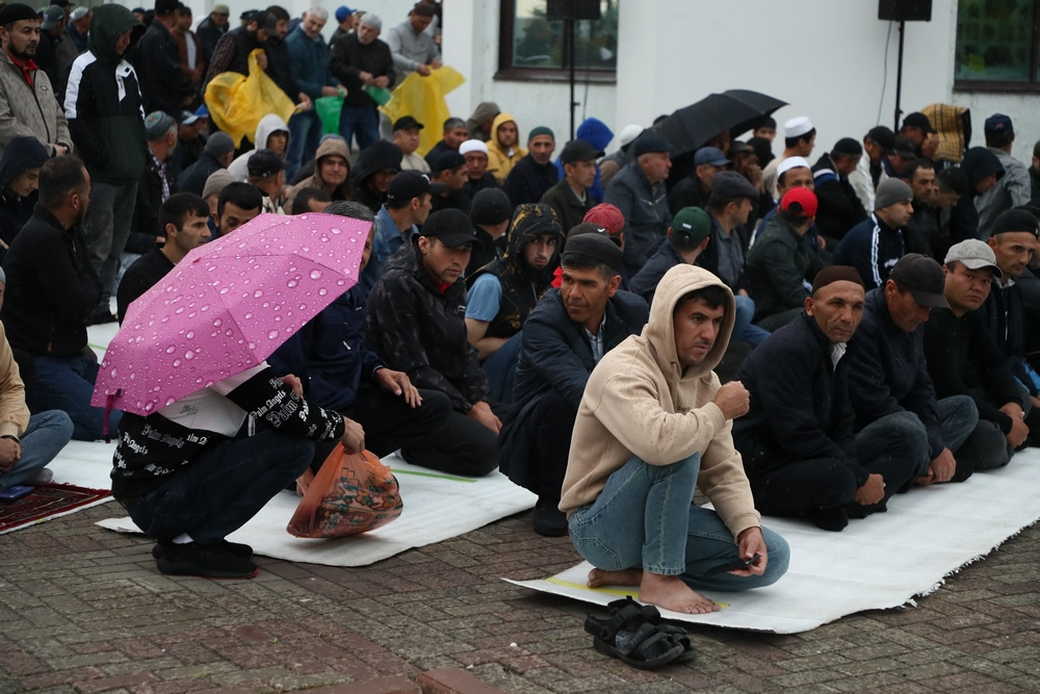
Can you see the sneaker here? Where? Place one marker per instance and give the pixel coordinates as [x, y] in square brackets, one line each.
[834, 519]
[101, 315]
[549, 522]
[40, 477]
[237, 548]
[209, 561]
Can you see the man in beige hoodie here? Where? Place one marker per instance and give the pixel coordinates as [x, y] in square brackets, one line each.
[655, 422]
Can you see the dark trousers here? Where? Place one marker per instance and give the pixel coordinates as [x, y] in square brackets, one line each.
[432, 435]
[223, 489]
[548, 433]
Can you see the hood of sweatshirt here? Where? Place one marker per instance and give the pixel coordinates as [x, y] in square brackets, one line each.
[110, 21]
[595, 132]
[659, 332]
[271, 123]
[379, 156]
[22, 153]
[979, 163]
[493, 138]
[483, 111]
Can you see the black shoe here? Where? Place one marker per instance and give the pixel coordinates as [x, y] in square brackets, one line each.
[549, 521]
[237, 548]
[101, 315]
[834, 519]
[210, 561]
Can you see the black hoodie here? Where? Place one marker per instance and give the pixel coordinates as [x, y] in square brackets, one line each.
[978, 163]
[103, 103]
[20, 155]
[379, 156]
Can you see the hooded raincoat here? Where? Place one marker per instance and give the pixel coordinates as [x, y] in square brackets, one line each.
[268, 125]
[640, 401]
[500, 161]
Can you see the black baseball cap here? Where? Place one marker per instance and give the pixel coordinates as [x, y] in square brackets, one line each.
[407, 185]
[922, 277]
[407, 123]
[446, 161]
[452, 227]
[263, 163]
[579, 150]
[918, 120]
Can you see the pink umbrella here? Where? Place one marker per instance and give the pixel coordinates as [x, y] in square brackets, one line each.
[227, 306]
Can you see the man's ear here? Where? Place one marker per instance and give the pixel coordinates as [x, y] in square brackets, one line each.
[613, 285]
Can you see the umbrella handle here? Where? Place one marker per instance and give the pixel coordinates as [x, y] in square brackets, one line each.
[109, 401]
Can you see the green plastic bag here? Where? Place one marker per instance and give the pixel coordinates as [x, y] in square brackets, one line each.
[328, 109]
[380, 95]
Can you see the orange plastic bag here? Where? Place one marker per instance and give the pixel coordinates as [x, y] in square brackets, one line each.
[350, 495]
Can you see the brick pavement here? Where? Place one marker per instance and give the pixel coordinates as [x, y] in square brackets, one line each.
[83, 610]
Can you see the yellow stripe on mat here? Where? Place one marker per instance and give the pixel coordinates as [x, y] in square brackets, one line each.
[622, 592]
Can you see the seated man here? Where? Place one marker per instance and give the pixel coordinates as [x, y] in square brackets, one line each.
[267, 172]
[478, 177]
[875, 245]
[27, 443]
[189, 479]
[688, 235]
[568, 332]
[505, 291]
[888, 372]
[654, 424]
[535, 173]
[331, 171]
[490, 213]
[839, 208]
[964, 360]
[376, 167]
[415, 323]
[51, 291]
[184, 219]
[570, 198]
[783, 261]
[798, 445]
[19, 179]
[397, 221]
[339, 371]
[448, 178]
[310, 200]
[238, 203]
[454, 133]
[406, 137]
[640, 193]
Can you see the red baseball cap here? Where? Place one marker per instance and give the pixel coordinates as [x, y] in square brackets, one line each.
[801, 201]
[607, 216]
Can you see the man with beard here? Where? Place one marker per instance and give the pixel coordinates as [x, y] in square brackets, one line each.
[415, 323]
[212, 28]
[26, 93]
[563, 339]
[51, 291]
[535, 173]
[505, 291]
[331, 171]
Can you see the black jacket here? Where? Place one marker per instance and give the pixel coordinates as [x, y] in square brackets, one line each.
[569, 209]
[709, 257]
[193, 178]
[232, 54]
[778, 266]
[888, 372]
[873, 248]
[164, 85]
[474, 187]
[801, 411]
[379, 156]
[644, 283]
[208, 34]
[421, 330]
[529, 181]
[150, 199]
[963, 360]
[349, 57]
[839, 207]
[689, 192]
[978, 163]
[1004, 316]
[141, 276]
[22, 153]
[51, 288]
[104, 108]
[280, 68]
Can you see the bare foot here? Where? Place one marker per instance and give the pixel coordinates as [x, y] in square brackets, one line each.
[672, 594]
[602, 577]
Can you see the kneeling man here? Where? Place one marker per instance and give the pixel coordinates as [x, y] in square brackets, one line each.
[653, 424]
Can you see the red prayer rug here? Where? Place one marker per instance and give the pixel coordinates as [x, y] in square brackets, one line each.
[46, 502]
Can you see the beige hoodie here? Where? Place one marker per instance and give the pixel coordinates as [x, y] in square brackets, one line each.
[640, 402]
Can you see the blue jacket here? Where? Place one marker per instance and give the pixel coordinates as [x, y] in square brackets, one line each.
[645, 208]
[873, 248]
[645, 281]
[310, 63]
[330, 355]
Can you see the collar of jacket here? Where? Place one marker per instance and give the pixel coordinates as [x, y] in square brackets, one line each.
[44, 215]
[428, 281]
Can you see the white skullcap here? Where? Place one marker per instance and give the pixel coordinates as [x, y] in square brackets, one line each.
[792, 163]
[472, 146]
[798, 126]
[629, 133]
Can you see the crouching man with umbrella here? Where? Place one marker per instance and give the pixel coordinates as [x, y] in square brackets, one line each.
[209, 433]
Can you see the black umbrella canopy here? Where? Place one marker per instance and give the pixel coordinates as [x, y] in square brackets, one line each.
[735, 110]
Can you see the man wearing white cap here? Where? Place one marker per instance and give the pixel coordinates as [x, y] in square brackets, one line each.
[475, 152]
[615, 161]
[799, 140]
[793, 172]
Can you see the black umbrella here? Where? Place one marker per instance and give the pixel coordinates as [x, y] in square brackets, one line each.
[735, 110]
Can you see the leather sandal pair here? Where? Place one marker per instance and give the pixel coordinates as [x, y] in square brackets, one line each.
[636, 635]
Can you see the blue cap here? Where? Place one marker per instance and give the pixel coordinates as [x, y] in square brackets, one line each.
[998, 123]
[202, 111]
[342, 12]
[710, 155]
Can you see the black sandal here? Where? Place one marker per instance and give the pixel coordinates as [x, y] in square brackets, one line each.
[635, 634]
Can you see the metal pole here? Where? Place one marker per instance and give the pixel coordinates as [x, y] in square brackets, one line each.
[899, 76]
[570, 51]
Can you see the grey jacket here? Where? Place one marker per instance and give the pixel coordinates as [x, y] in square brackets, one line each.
[30, 111]
[1012, 190]
[645, 208]
[410, 50]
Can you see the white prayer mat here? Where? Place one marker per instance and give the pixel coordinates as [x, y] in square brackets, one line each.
[880, 562]
[436, 507]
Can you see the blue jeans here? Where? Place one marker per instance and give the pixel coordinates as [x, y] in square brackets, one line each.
[218, 493]
[743, 329]
[47, 434]
[304, 137]
[361, 122]
[675, 538]
[67, 383]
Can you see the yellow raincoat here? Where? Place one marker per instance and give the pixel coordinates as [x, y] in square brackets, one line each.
[237, 102]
